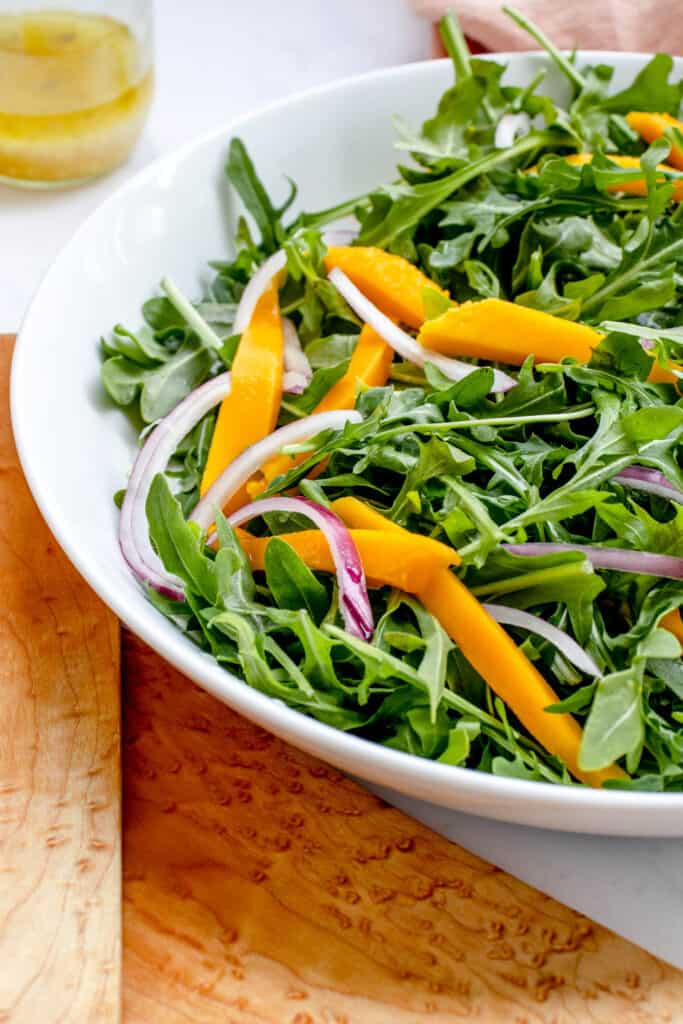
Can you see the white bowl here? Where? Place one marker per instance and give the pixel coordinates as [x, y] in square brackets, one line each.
[76, 449]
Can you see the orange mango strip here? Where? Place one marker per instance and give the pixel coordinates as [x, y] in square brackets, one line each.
[249, 412]
[490, 650]
[391, 282]
[673, 622]
[506, 332]
[400, 560]
[652, 126]
[370, 364]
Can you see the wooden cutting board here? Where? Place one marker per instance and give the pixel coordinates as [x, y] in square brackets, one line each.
[60, 851]
[260, 886]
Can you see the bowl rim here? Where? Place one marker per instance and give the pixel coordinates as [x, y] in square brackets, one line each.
[200, 666]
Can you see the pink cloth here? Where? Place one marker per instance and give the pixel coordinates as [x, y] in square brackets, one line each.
[647, 26]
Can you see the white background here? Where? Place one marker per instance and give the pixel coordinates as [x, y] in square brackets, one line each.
[217, 59]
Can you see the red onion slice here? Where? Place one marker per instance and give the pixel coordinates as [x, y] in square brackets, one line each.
[353, 591]
[297, 369]
[565, 644]
[619, 559]
[401, 342]
[508, 128]
[152, 458]
[255, 289]
[252, 458]
[341, 231]
[651, 481]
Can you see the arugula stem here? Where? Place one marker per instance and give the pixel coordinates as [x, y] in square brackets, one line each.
[321, 217]
[292, 409]
[407, 376]
[190, 314]
[525, 581]
[619, 282]
[312, 490]
[578, 413]
[468, 551]
[456, 45]
[565, 66]
[530, 89]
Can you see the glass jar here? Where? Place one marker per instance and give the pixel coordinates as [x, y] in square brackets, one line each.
[76, 82]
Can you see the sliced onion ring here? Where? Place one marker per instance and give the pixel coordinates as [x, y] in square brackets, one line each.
[252, 458]
[565, 644]
[341, 231]
[651, 481]
[152, 458]
[508, 128]
[297, 369]
[618, 559]
[401, 342]
[255, 289]
[353, 591]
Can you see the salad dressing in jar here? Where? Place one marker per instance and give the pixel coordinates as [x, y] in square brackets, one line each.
[74, 91]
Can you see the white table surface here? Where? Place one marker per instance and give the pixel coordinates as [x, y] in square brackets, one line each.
[215, 59]
[214, 63]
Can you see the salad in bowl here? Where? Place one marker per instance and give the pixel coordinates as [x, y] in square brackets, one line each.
[411, 466]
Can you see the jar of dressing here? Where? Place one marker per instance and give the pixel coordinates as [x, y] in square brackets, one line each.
[76, 82]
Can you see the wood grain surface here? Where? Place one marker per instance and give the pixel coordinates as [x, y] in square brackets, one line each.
[60, 922]
[263, 887]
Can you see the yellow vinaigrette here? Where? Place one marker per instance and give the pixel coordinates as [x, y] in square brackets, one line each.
[74, 92]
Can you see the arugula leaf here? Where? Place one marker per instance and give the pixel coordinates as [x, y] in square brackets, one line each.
[331, 350]
[653, 290]
[292, 583]
[465, 501]
[481, 279]
[178, 542]
[670, 671]
[546, 297]
[435, 304]
[622, 354]
[615, 725]
[244, 179]
[577, 237]
[162, 316]
[433, 667]
[636, 528]
[234, 581]
[650, 90]
[460, 742]
[466, 117]
[398, 209]
[652, 267]
[437, 459]
[158, 387]
[141, 348]
[322, 380]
